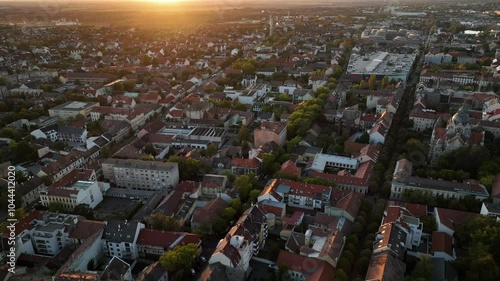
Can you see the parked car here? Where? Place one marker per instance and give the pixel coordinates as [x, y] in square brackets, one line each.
[203, 259]
[272, 267]
[193, 272]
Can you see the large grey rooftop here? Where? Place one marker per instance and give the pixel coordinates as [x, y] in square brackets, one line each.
[380, 63]
[140, 164]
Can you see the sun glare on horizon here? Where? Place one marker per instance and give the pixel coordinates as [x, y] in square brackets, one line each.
[165, 1]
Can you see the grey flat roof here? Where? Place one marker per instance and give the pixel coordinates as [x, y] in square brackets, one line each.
[140, 164]
[74, 105]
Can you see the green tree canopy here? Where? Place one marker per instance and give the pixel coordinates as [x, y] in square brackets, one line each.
[162, 222]
[180, 258]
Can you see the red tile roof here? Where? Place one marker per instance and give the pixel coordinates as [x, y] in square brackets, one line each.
[298, 263]
[495, 192]
[74, 176]
[350, 203]
[166, 239]
[442, 242]
[290, 168]
[245, 163]
[210, 212]
[62, 163]
[416, 209]
[275, 127]
[188, 186]
[24, 223]
[325, 272]
[295, 218]
[451, 217]
[85, 229]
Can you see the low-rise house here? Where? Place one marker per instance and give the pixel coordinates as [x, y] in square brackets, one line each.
[152, 244]
[179, 205]
[149, 98]
[61, 133]
[305, 268]
[326, 246]
[490, 209]
[117, 269]
[81, 192]
[380, 129]
[442, 246]
[270, 131]
[213, 184]
[154, 272]
[123, 101]
[446, 219]
[344, 204]
[240, 166]
[62, 166]
[300, 95]
[204, 217]
[296, 194]
[30, 191]
[218, 271]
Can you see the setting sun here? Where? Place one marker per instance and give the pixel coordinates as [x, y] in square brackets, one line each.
[164, 1]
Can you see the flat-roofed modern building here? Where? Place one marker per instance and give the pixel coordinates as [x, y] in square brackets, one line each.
[72, 109]
[139, 174]
[322, 161]
[381, 64]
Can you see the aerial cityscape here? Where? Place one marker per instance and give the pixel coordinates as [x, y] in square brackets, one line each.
[234, 140]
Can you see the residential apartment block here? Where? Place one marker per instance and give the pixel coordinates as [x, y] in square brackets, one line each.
[138, 174]
[244, 240]
[120, 238]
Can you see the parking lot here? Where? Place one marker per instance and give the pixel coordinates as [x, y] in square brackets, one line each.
[114, 208]
[259, 272]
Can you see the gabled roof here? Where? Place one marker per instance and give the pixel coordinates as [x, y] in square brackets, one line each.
[245, 163]
[210, 212]
[166, 239]
[449, 217]
[115, 270]
[385, 266]
[417, 210]
[85, 229]
[442, 242]
[25, 223]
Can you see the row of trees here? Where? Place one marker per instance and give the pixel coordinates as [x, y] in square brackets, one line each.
[303, 117]
[468, 203]
[358, 250]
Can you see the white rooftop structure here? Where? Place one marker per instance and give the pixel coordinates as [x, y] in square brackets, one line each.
[395, 66]
[321, 161]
